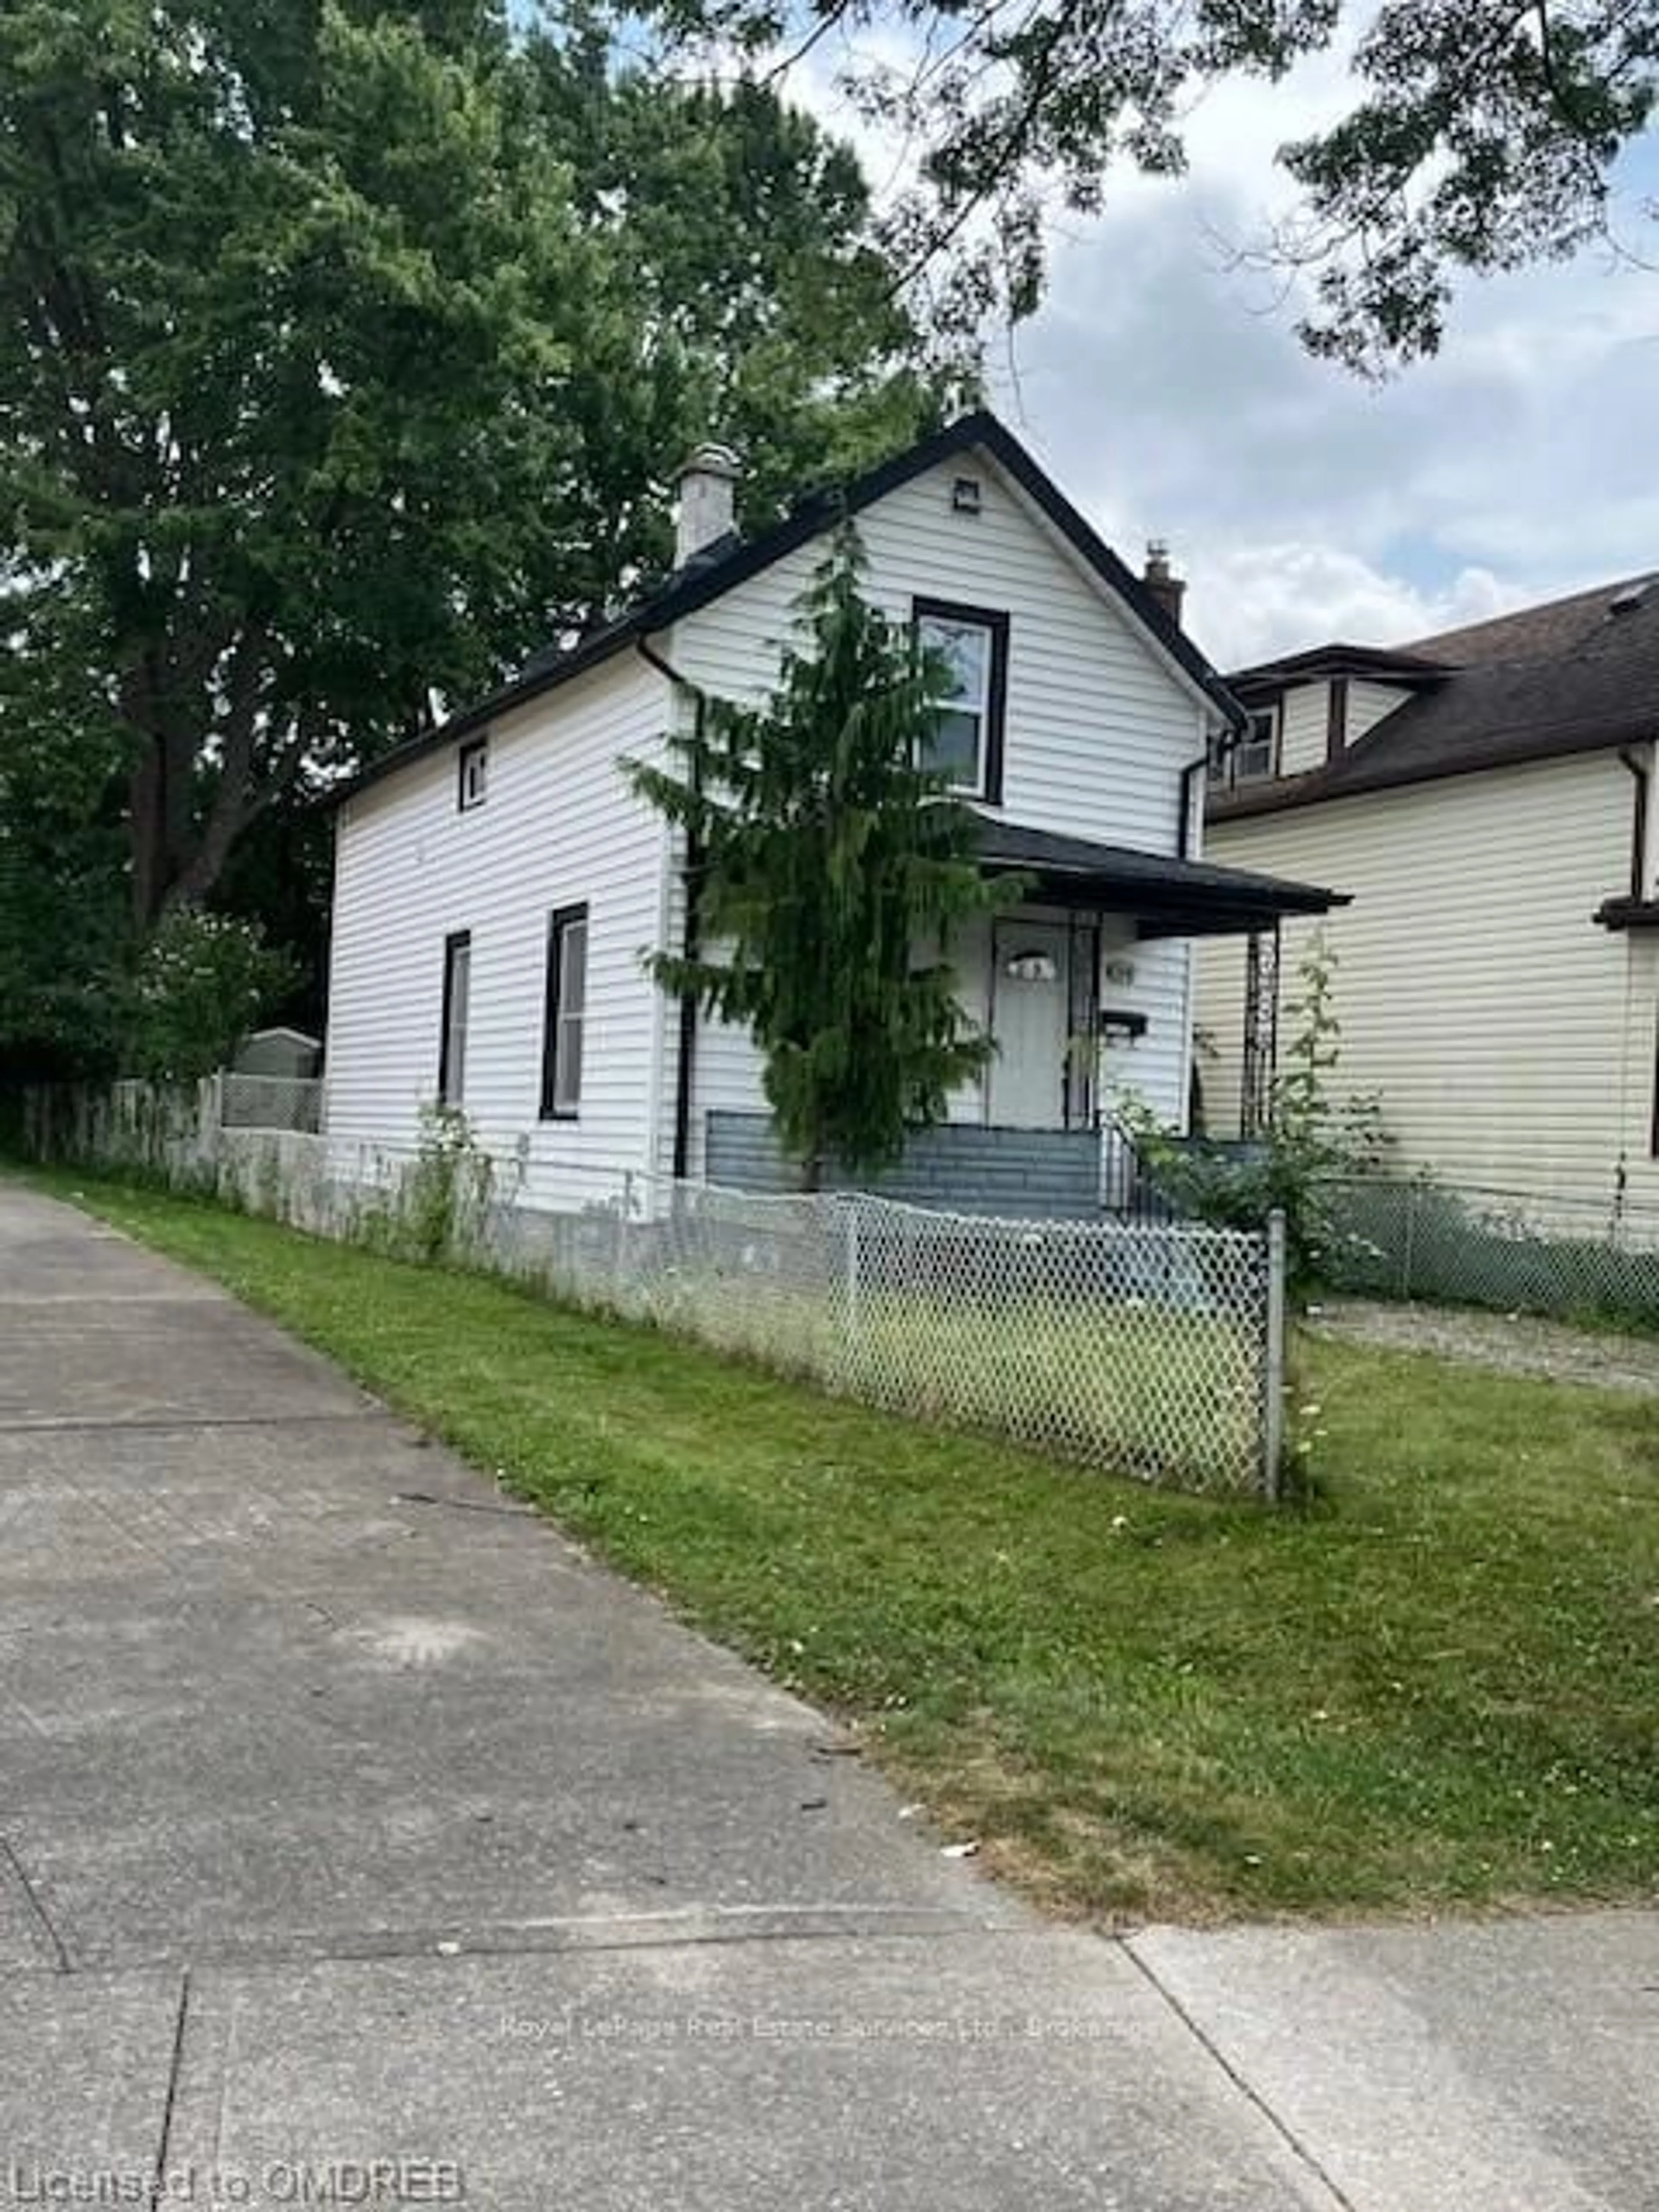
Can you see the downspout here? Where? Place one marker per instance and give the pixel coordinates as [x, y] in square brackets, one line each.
[1184, 827]
[1638, 843]
[1199, 767]
[686, 1060]
[1639, 876]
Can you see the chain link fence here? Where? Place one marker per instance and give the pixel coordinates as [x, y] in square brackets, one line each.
[1153, 1349]
[1511, 1251]
[270, 1102]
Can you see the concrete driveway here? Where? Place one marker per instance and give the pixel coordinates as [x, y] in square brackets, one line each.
[361, 1842]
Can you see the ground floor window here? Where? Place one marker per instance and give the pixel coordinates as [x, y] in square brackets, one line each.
[457, 990]
[567, 1008]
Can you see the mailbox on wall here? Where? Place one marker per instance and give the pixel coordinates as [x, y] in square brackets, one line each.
[1121, 1026]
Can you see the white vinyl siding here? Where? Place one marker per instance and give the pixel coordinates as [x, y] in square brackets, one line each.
[1098, 730]
[1511, 1039]
[1098, 726]
[560, 830]
[1154, 1070]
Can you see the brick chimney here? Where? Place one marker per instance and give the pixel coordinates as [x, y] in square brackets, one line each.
[708, 484]
[1167, 589]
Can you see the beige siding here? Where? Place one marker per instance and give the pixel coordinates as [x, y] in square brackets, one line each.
[557, 828]
[1511, 1039]
[1304, 722]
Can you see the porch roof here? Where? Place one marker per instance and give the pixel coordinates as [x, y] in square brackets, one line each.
[1168, 896]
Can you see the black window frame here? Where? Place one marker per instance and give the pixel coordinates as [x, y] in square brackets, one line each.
[560, 922]
[458, 941]
[471, 749]
[995, 621]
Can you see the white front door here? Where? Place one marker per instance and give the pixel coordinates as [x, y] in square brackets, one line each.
[1031, 1020]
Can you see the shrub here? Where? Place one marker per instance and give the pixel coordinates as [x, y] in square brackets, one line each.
[1314, 1139]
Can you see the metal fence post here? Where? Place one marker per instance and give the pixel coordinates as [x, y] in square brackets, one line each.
[619, 1260]
[1409, 1243]
[852, 1280]
[1272, 1381]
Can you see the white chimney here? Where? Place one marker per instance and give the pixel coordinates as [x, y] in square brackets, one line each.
[707, 510]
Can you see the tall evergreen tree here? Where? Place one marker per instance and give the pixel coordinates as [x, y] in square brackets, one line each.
[828, 866]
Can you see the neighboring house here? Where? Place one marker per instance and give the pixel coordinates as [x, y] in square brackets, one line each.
[497, 883]
[278, 1052]
[1487, 797]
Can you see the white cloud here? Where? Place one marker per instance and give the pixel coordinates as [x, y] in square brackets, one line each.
[1163, 386]
[1250, 601]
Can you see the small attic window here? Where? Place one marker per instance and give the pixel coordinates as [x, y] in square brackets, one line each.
[473, 774]
[965, 495]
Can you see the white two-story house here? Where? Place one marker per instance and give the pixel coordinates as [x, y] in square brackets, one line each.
[497, 882]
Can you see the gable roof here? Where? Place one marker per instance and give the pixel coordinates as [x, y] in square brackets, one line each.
[1575, 675]
[732, 559]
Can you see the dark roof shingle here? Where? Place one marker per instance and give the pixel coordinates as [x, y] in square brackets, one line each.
[1574, 674]
[732, 560]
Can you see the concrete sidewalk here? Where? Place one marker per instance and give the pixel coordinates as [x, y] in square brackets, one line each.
[361, 1842]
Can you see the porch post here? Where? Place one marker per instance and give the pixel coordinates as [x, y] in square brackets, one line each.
[1260, 1031]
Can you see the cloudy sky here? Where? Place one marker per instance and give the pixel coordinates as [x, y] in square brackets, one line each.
[1167, 392]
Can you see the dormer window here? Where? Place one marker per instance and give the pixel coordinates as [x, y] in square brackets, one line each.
[1256, 754]
[473, 774]
[968, 733]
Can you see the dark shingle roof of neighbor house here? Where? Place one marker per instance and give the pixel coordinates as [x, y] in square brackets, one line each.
[1166, 893]
[1574, 674]
[733, 560]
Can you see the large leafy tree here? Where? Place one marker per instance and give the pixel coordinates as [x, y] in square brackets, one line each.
[1480, 136]
[743, 293]
[346, 347]
[280, 343]
[828, 867]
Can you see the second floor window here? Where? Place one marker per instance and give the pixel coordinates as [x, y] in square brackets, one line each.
[1248, 758]
[966, 745]
[1257, 752]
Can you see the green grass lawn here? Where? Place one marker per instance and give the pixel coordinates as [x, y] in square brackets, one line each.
[1438, 1685]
